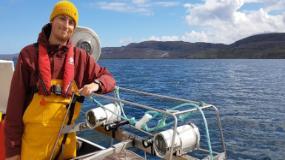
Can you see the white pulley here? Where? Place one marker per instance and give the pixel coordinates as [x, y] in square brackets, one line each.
[187, 139]
[88, 40]
[106, 114]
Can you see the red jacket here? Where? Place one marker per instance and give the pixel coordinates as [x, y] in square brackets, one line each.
[25, 80]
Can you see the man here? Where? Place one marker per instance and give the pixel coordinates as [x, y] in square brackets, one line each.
[46, 75]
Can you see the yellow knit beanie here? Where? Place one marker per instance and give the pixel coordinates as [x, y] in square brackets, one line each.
[65, 7]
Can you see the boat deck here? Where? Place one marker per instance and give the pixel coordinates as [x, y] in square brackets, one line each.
[124, 155]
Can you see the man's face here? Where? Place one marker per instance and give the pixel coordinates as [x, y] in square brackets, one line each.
[62, 27]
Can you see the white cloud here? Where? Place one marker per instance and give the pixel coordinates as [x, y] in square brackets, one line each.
[164, 38]
[126, 41]
[218, 21]
[222, 21]
[139, 1]
[212, 10]
[277, 6]
[167, 3]
[144, 7]
[124, 7]
[192, 36]
[116, 6]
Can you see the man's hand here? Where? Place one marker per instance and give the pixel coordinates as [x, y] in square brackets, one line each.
[16, 157]
[88, 89]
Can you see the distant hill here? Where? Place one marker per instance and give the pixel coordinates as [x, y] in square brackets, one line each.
[261, 46]
[8, 56]
[271, 45]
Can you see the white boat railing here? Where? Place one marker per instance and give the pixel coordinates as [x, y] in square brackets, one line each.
[137, 141]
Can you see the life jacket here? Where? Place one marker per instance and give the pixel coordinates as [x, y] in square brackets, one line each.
[44, 85]
[45, 114]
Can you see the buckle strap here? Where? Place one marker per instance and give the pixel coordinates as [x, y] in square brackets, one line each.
[56, 89]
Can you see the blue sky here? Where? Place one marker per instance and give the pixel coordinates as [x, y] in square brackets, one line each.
[119, 22]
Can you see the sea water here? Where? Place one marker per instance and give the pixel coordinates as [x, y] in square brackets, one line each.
[249, 93]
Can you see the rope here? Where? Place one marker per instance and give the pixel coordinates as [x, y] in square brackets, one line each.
[131, 120]
[117, 95]
[207, 131]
